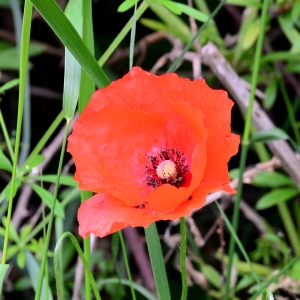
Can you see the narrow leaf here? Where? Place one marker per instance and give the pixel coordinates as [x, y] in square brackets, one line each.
[63, 179]
[72, 75]
[3, 271]
[271, 180]
[33, 271]
[8, 85]
[48, 199]
[269, 135]
[276, 196]
[63, 28]
[192, 12]
[157, 262]
[5, 163]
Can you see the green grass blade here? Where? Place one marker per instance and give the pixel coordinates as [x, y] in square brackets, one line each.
[245, 143]
[63, 28]
[73, 11]
[238, 242]
[33, 270]
[157, 262]
[132, 38]
[3, 271]
[82, 257]
[182, 259]
[127, 265]
[23, 68]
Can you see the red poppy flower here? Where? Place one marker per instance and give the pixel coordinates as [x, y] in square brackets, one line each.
[151, 147]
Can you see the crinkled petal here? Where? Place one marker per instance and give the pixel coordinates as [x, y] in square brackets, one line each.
[105, 214]
[109, 148]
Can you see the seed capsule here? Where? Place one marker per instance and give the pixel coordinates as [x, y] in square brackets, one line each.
[166, 169]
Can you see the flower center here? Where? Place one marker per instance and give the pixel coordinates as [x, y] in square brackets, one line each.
[167, 167]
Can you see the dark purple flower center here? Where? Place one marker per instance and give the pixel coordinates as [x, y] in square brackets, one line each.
[169, 166]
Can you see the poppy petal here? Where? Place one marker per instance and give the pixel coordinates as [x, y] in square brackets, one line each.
[105, 214]
[109, 149]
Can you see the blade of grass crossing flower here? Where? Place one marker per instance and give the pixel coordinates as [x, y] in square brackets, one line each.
[132, 38]
[82, 257]
[87, 87]
[49, 227]
[127, 265]
[191, 42]
[63, 28]
[238, 242]
[116, 42]
[182, 258]
[73, 11]
[245, 144]
[157, 262]
[23, 68]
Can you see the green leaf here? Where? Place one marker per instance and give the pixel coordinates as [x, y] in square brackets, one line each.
[72, 75]
[192, 12]
[5, 163]
[267, 295]
[155, 25]
[174, 23]
[295, 271]
[251, 35]
[13, 235]
[172, 6]
[64, 179]
[38, 159]
[33, 270]
[157, 262]
[276, 196]
[127, 4]
[254, 3]
[269, 135]
[8, 85]
[21, 259]
[271, 94]
[48, 199]
[60, 24]
[272, 180]
[212, 275]
[6, 191]
[3, 271]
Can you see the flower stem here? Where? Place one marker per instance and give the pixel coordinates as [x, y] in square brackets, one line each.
[49, 228]
[127, 265]
[245, 143]
[182, 258]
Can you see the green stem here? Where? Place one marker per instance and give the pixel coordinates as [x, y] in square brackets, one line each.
[23, 67]
[290, 229]
[142, 8]
[85, 264]
[157, 262]
[245, 144]
[127, 265]
[49, 228]
[182, 259]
